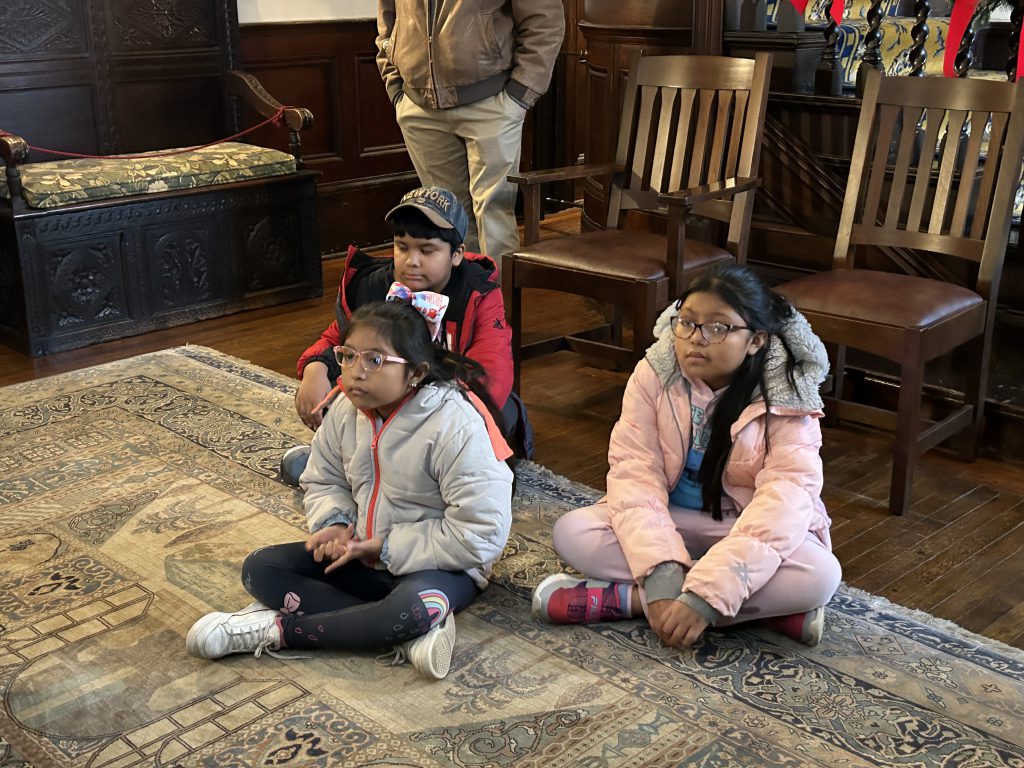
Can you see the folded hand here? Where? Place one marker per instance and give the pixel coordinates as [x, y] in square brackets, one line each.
[676, 623]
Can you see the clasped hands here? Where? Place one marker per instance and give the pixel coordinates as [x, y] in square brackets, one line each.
[676, 623]
[337, 544]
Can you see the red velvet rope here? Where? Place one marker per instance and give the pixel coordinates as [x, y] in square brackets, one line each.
[276, 119]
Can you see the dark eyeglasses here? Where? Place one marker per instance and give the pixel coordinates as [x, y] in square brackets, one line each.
[713, 333]
[372, 360]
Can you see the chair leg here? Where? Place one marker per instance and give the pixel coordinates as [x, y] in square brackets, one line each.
[838, 377]
[648, 301]
[908, 424]
[974, 395]
[513, 295]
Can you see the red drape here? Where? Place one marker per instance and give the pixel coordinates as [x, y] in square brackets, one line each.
[963, 11]
[838, 6]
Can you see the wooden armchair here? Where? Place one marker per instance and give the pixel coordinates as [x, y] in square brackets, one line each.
[940, 202]
[689, 141]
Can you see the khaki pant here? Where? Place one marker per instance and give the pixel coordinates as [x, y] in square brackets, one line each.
[471, 150]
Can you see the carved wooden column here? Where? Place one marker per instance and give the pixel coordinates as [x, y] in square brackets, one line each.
[872, 44]
[828, 79]
[613, 30]
[964, 55]
[918, 55]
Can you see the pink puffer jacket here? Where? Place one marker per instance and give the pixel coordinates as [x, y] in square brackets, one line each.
[777, 494]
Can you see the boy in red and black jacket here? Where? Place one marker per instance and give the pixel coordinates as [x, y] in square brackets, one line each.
[429, 225]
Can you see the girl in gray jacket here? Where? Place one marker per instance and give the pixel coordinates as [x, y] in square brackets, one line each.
[408, 501]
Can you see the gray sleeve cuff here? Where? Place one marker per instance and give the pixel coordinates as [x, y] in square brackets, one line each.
[338, 518]
[701, 606]
[521, 94]
[384, 553]
[665, 581]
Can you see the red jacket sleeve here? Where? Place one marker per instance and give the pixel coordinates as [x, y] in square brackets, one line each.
[492, 345]
[330, 338]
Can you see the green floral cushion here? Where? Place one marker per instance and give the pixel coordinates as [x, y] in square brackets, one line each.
[52, 184]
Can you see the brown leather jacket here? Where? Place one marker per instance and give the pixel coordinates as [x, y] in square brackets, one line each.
[448, 53]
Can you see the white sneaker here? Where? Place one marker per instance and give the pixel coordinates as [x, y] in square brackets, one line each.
[814, 626]
[251, 630]
[429, 654]
[293, 464]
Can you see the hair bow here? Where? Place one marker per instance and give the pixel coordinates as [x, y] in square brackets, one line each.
[429, 304]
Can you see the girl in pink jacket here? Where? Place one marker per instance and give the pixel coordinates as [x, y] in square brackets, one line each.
[713, 514]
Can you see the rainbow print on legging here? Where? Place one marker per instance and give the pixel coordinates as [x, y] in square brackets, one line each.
[436, 603]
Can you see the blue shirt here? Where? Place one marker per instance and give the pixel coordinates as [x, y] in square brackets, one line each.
[688, 491]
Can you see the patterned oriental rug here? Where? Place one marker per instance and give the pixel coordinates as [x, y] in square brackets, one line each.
[132, 491]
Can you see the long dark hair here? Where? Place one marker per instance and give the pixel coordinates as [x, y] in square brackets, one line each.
[762, 309]
[406, 331]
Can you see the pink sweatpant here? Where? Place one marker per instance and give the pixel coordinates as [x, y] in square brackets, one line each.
[809, 577]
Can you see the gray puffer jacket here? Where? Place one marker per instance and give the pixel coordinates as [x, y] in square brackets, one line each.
[426, 481]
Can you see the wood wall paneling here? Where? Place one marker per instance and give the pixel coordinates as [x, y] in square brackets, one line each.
[355, 143]
[613, 31]
[108, 76]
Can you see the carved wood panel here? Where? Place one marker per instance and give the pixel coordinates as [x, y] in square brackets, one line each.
[86, 280]
[144, 74]
[145, 25]
[182, 264]
[42, 28]
[355, 142]
[98, 273]
[268, 244]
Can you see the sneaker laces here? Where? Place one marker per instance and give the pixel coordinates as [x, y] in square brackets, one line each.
[388, 659]
[247, 636]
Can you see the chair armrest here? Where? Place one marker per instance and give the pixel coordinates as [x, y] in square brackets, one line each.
[13, 149]
[715, 190]
[564, 173]
[249, 90]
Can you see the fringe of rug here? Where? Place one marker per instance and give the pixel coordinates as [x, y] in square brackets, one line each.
[880, 603]
[560, 482]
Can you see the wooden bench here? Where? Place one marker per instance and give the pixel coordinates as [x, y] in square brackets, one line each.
[99, 249]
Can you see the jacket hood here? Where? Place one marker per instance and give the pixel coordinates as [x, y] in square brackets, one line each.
[811, 363]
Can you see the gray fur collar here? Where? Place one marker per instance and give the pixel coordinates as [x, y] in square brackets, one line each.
[811, 359]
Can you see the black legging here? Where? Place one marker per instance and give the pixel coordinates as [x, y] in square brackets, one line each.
[355, 607]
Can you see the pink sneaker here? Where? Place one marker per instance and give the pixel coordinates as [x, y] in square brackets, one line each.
[803, 627]
[563, 599]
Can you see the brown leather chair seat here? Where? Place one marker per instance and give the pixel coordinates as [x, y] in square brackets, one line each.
[882, 298]
[621, 254]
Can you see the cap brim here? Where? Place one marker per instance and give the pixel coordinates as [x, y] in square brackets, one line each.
[427, 211]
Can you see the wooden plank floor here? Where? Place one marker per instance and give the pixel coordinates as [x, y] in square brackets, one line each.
[958, 554]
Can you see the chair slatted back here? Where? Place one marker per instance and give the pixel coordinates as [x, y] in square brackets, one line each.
[688, 121]
[935, 168]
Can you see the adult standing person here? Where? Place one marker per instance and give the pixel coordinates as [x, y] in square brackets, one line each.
[462, 75]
